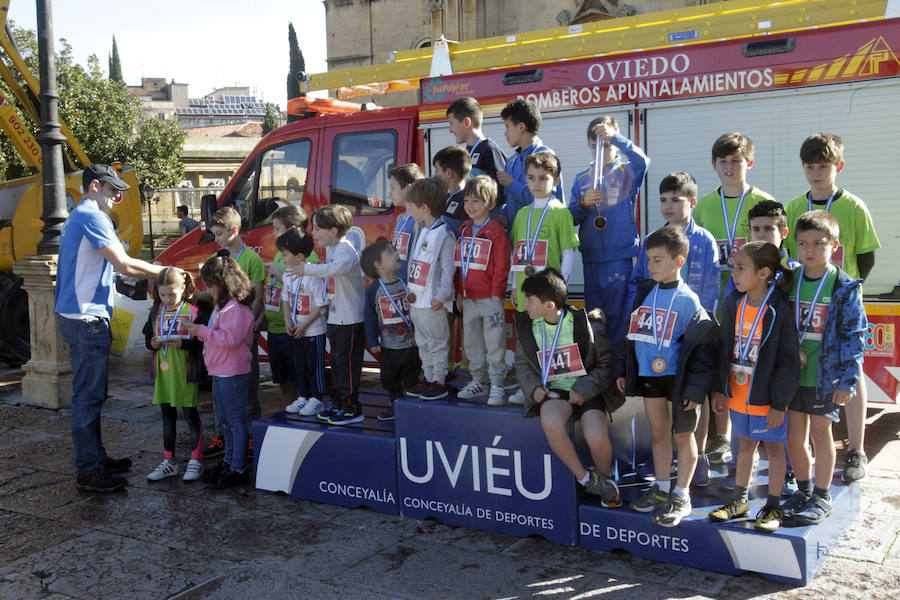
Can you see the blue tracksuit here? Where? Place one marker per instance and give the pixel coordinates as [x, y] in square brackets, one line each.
[607, 253]
[517, 193]
[700, 270]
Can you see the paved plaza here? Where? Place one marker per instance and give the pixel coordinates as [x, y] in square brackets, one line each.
[170, 539]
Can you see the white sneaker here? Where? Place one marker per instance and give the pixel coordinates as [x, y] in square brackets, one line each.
[194, 470]
[497, 396]
[518, 397]
[312, 407]
[167, 468]
[296, 405]
[473, 389]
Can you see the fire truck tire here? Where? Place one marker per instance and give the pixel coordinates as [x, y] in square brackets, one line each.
[15, 333]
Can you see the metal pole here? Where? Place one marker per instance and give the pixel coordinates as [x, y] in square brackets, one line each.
[150, 223]
[50, 138]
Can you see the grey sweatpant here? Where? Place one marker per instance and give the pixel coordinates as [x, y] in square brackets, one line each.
[432, 337]
[484, 336]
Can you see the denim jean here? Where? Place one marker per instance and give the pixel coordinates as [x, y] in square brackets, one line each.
[254, 410]
[89, 343]
[231, 401]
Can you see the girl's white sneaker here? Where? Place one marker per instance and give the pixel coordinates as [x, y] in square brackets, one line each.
[194, 470]
[167, 468]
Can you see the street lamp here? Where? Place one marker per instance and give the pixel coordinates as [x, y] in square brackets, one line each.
[148, 197]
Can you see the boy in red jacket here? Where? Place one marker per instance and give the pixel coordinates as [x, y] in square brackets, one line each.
[483, 257]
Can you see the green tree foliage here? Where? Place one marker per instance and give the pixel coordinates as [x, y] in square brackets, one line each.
[104, 117]
[297, 66]
[115, 65]
[270, 121]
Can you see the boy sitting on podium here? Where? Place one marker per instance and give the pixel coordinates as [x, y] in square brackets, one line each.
[564, 365]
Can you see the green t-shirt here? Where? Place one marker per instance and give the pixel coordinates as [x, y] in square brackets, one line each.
[812, 339]
[708, 214]
[171, 385]
[272, 295]
[557, 232]
[566, 338]
[857, 230]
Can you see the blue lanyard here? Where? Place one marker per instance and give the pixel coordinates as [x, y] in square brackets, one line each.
[547, 356]
[730, 232]
[744, 351]
[467, 258]
[531, 242]
[296, 299]
[417, 247]
[390, 298]
[801, 327]
[241, 251]
[809, 202]
[274, 280]
[402, 225]
[475, 147]
[162, 318]
[656, 337]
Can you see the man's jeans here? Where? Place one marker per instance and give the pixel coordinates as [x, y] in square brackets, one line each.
[231, 401]
[89, 343]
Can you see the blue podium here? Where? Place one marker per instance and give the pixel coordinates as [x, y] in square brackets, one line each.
[353, 465]
[483, 467]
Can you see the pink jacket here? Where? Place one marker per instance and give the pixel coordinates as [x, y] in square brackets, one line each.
[226, 340]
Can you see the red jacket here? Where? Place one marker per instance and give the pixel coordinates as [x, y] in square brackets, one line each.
[491, 281]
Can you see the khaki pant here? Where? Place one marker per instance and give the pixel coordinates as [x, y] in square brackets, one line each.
[484, 337]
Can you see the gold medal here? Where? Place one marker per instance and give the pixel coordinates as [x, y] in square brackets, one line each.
[741, 378]
[802, 359]
[411, 298]
[600, 222]
[529, 271]
[658, 365]
[164, 366]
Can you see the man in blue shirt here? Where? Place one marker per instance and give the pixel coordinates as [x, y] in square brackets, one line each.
[89, 251]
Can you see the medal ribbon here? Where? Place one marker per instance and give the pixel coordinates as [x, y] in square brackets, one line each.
[162, 318]
[547, 357]
[295, 299]
[475, 146]
[731, 232]
[598, 163]
[744, 351]
[467, 259]
[241, 251]
[656, 338]
[394, 304]
[809, 202]
[531, 242]
[421, 237]
[812, 305]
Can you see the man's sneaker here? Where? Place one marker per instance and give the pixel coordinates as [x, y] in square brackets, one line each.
[100, 481]
[433, 391]
[670, 513]
[312, 407]
[216, 447]
[603, 486]
[768, 519]
[347, 416]
[651, 499]
[229, 479]
[701, 473]
[733, 509]
[387, 415]
[167, 468]
[416, 390]
[327, 413]
[497, 396]
[517, 397]
[816, 510]
[296, 405]
[116, 466]
[854, 467]
[719, 450]
[473, 389]
[790, 485]
[194, 470]
[796, 502]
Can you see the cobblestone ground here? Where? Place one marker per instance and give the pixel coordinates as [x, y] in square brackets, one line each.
[177, 540]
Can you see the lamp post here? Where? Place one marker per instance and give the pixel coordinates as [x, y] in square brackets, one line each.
[148, 196]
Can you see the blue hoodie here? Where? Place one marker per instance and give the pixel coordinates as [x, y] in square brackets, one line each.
[517, 193]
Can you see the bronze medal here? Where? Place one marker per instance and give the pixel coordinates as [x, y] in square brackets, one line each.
[411, 298]
[164, 366]
[741, 378]
[529, 271]
[658, 365]
[600, 222]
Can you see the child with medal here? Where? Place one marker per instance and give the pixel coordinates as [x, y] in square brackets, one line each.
[758, 369]
[177, 368]
[832, 322]
[669, 360]
[400, 179]
[389, 329]
[543, 234]
[564, 366]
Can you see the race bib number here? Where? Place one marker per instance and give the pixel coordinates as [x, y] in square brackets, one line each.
[389, 316]
[272, 296]
[179, 332]
[754, 346]
[816, 325]
[641, 327]
[303, 306]
[538, 261]
[329, 289]
[566, 362]
[725, 250]
[480, 253]
[401, 244]
[418, 274]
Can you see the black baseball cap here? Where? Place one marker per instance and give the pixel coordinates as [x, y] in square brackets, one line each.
[103, 173]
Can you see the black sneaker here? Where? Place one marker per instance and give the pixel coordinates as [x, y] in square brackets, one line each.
[116, 466]
[229, 479]
[416, 390]
[215, 448]
[212, 475]
[347, 416]
[100, 481]
[387, 415]
[719, 450]
[328, 413]
[433, 391]
[854, 467]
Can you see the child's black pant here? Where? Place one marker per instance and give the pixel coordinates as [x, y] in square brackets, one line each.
[309, 365]
[347, 345]
[170, 415]
[400, 370]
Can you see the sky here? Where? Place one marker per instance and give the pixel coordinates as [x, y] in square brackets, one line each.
[197, 42]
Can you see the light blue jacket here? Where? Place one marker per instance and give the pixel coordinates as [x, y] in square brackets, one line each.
[517, 193]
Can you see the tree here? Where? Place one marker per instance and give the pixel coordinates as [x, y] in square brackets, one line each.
[104, 117]
[270, 121]
[297, 66]
[115, 65]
